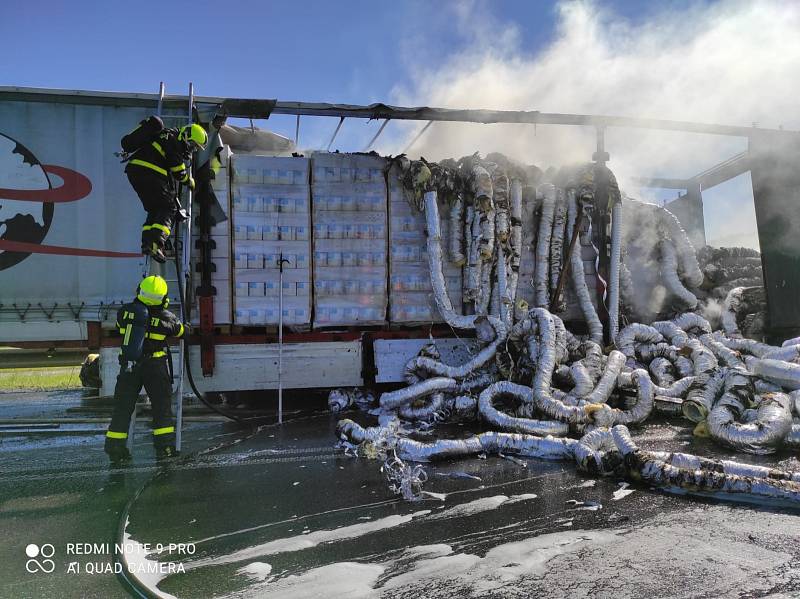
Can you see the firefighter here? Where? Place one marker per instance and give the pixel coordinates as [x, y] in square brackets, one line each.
[146, 326]
[153, 171]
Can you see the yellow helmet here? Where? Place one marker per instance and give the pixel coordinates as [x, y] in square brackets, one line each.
[152, 291]
[195, 134]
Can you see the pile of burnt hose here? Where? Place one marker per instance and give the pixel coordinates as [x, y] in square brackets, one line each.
[540, 391]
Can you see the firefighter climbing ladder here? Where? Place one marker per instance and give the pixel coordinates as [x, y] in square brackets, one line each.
[182, 244]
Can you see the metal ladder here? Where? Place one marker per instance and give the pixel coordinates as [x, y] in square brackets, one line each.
[183, 243]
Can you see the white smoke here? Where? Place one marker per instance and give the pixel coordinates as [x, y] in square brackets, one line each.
[731, 62]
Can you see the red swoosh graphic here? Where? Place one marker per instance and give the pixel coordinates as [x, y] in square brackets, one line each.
[75, 187]
[35, 248]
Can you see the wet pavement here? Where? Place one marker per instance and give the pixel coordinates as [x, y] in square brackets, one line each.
[279, 512]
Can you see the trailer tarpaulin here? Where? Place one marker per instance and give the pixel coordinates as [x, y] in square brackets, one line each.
[69, 220]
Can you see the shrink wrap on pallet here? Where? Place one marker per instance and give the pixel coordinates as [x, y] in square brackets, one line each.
[271, 219]
[349, 239]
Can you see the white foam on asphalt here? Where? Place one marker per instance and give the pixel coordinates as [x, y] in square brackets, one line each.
[342, 579]
[439, 496]
[521, 497]
[472, 507]
[306, 541]
[149, 573]
[256, 571]
[501, 567]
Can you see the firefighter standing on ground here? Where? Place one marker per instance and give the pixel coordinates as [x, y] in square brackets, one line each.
[151, 369]
[153, 170]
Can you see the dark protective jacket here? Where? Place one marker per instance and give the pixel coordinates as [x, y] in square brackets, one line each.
[163, 325]
[167, 156]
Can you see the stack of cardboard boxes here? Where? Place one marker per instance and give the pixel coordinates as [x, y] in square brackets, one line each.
[271, 223]
[350, 239]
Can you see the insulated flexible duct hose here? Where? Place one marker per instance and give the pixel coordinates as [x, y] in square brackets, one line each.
[787, 353]
[484, 201]
[704, 361]
[646, 466]
[393, 400]
[614, 271]
[544, 342]
[434, 245]
[592, 449]
[781, 373]
[608, 380]
[721, 352]
[763, 436]
[500, 191]
[702, 396]
[792, 341]
[672, 332]
[752, 347]
[557, 245]
[693, 462]
[457, 232]
[732, 303]
[669, 275]
[677, 389]
[440, 369]
[486, 286]
[578, 278]
[516, 239]
[471, 255]
[661, 370]
[690, 322]
[529, 446]
[504, 422]
[475, 261]
[429, 411]
[635, 333]
[685, 251]
[541, 266]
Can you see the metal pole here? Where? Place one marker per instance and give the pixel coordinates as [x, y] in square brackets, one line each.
[417, 136]
[335, 133]
[145, 272]
[161, 90]
[131, 429]
[297, 133]
[186, 249]
[377, 135]
[280, 338]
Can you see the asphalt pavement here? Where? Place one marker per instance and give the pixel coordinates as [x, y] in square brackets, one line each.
[279, 511]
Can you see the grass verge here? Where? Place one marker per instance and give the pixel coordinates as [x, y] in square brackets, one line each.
[40, 379]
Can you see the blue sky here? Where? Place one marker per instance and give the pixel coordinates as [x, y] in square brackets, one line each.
[346, 51]
[350, 51]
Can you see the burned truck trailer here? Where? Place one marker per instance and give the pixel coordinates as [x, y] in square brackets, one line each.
[333, 245]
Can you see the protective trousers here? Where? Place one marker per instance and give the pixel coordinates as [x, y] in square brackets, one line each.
[157, 194]
[153, 373]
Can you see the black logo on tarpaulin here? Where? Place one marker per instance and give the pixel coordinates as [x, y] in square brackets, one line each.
[26, 214]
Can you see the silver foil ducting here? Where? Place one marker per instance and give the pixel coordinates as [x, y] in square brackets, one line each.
[505, 422]
[651, 469]
[785, 374]
[773, 423]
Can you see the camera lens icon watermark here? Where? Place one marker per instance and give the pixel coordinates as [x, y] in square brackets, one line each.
[45, 552]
